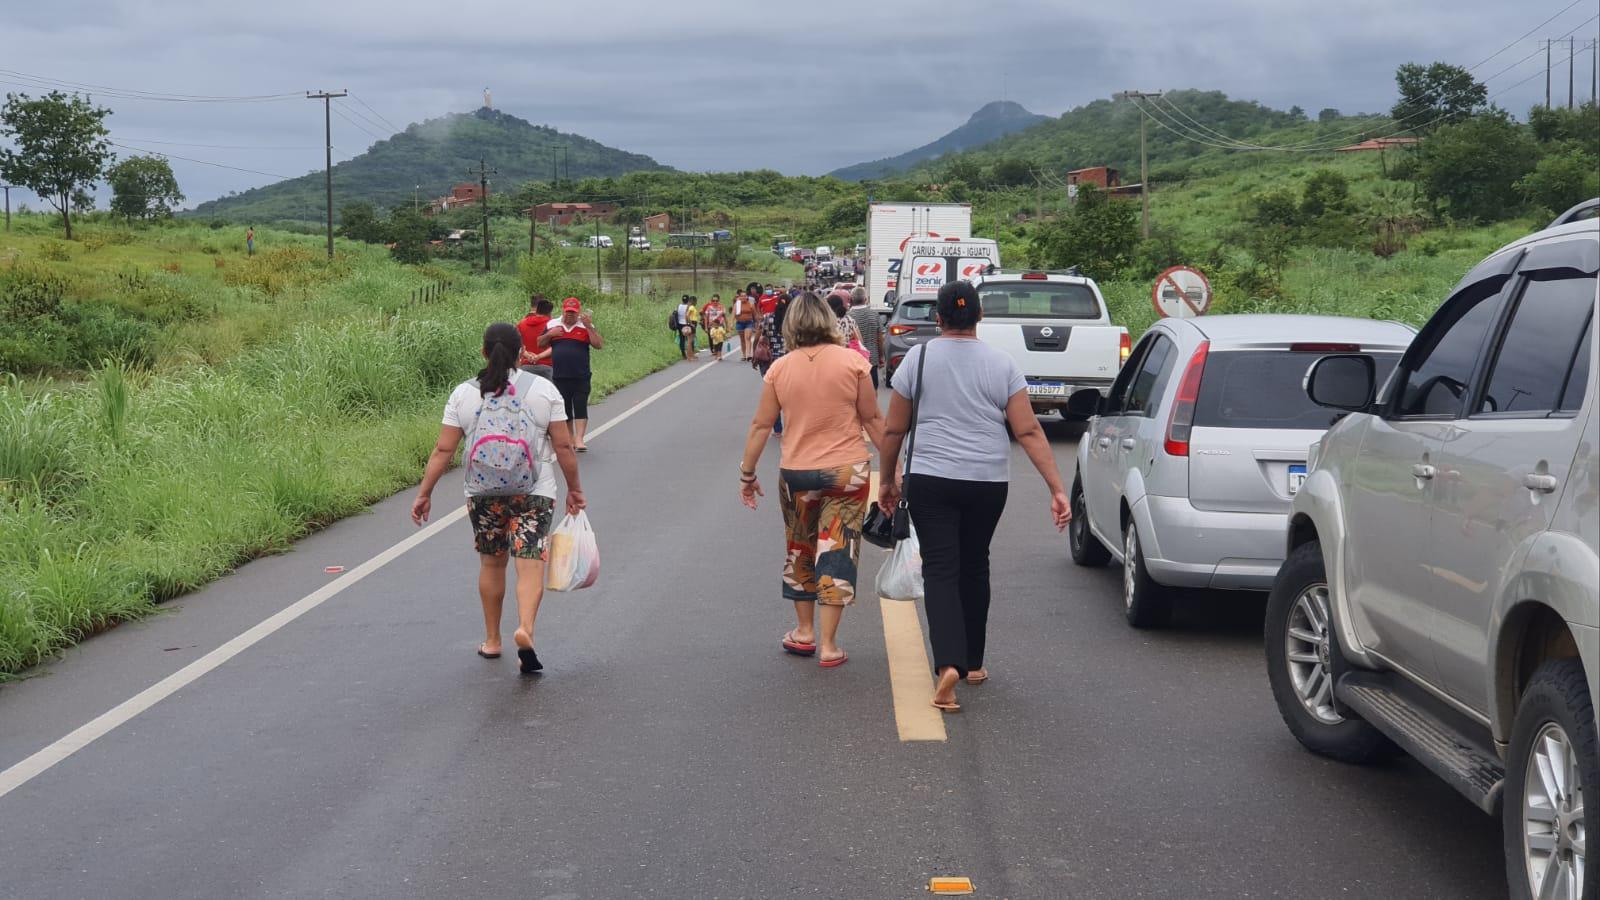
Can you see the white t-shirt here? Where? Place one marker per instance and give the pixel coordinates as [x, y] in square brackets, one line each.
[544, 406]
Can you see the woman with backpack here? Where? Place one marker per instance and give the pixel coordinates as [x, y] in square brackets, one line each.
[825, 473]
[516, 432]
[964, 393]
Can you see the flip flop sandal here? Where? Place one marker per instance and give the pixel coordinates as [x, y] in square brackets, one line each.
[946, 707]
[529, 660]
[833, 663]
[798, 648]
[487, 655]
[583, 449]
[973, 678]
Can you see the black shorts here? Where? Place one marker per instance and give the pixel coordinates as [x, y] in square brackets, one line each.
[575, 393]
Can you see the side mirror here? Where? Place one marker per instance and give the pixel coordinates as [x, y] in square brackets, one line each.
[1342, 382]
[1085, 403]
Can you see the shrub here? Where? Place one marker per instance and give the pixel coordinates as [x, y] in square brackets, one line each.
[55, 251]
[98, 333]
[30, 292]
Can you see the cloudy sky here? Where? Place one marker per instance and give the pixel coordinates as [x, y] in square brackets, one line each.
[727, 84]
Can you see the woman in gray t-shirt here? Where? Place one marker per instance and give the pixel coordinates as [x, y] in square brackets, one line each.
[958, 473]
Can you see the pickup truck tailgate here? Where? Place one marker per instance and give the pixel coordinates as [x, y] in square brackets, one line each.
[1053, 348]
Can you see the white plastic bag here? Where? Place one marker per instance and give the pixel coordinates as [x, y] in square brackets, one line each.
[573, 558]
[901, 575]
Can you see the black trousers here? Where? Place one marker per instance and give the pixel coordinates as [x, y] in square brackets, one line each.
[575, 391]
[955, 520]
[874, 376]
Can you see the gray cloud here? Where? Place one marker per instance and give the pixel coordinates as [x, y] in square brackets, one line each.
[715, 84]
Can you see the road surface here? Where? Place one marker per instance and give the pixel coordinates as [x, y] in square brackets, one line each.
[670, 750]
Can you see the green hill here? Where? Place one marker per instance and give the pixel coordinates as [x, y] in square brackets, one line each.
[994, 120]
[434, 154]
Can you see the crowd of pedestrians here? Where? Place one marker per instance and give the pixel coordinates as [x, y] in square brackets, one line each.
[956, 406]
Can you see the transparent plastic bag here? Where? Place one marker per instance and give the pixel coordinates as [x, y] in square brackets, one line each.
[901, 575]
[573, 558]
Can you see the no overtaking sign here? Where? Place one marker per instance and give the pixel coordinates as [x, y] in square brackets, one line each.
[1181, 292]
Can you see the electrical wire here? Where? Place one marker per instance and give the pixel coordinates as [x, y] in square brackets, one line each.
[202, 162]
[136, 94]
[360, 127]
[364, 119]
[396, 129]
[219, 146]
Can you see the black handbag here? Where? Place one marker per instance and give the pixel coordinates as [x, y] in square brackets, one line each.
[885, 531]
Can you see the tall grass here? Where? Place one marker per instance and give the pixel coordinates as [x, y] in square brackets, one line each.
[134, 486]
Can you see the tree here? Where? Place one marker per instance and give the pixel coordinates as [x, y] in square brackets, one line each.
[143, 187]
[1561, 179]
[1472, 167]
[61, 148]
[1099, 236]
[1297, 112]
[1010, 172]
[1328, 114]
[1325, 191]
[359, 222]
[1439, 94]
[847, 214]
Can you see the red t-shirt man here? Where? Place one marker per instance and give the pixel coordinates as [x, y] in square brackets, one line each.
[768, 304]
[531, 326]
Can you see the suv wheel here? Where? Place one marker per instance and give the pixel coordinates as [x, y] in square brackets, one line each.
[1086, 548]
[1303, 660]
[1145, 603]
[1552, 800]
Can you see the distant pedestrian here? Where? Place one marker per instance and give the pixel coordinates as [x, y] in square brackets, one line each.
[772, 333]
[824, 475]
[685, 330]
[715, 321]
[569, 339]
[839, 303]
[533, 358]
[966, 393]
[510, 520]
[744, 321]
[250, 241]
[869, 328]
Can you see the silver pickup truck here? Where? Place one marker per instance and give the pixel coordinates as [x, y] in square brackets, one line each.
[1441, 592]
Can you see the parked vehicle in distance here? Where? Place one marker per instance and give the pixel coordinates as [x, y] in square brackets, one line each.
[929, 264]
[861, 250]
[910, 324]
[1056, 327]
[1441, 593]
[824, 252]
[722, 234]
[1187, 469]
[638, 242]
[601, 240]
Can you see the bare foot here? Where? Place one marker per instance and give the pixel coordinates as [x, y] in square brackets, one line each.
[977, 676]
[944, 693]
[522, 639]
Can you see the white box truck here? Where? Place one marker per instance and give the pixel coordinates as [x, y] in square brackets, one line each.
[891, 226]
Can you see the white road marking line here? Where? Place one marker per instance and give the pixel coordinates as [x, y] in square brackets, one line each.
[84, 735]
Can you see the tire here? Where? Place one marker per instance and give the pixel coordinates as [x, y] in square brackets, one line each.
[1145, 603]
[1086, 548]
[1555, 710]
[1303, 687]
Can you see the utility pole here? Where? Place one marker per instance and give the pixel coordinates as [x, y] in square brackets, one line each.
[1144, 158]
[483, 201]
[416, 201]
[597, 253]
[627, 270]
[1572, 56]
[1547, 74]
[7, 188]
[533, 230]
[327, 130]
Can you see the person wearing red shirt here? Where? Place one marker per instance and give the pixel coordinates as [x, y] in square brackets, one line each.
[531, 327]
[569, 339]
[768, 303]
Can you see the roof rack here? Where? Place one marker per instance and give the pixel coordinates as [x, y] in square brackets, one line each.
[1588, 209]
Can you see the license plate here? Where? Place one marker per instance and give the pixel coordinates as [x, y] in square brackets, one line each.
[1297, 477]
[1046, 389]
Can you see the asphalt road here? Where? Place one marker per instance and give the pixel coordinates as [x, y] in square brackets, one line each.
[672, 751]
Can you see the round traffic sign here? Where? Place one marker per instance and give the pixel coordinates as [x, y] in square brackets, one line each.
[1181, 292]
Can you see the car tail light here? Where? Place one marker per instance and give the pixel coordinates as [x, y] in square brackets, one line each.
[1126, 349]
[1182, 420]
[1035, 276]
[1313, 347]
[897, 330]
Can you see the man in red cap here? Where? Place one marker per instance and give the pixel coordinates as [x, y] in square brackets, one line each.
[569, 339]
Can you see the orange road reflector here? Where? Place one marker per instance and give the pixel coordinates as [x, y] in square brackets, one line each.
[333, 570]
[950, 885]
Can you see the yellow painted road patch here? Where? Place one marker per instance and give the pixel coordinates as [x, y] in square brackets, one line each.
[909, 674]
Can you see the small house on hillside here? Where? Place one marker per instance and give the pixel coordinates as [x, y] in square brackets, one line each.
[568, 213]
[464, 194]
[660, 223]
[1381, 143]
[1103, 177]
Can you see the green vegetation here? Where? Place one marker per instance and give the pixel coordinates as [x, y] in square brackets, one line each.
[435, 154]
[61, 148]
[287, 392]
[143, 187]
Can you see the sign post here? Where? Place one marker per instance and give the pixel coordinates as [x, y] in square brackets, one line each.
[1181, 292]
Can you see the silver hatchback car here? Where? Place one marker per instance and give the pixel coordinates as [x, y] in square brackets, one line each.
[1188, 466]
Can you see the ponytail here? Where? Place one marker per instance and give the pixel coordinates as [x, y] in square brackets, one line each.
[502, 345]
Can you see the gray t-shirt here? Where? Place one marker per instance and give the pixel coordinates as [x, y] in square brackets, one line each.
[961, 423]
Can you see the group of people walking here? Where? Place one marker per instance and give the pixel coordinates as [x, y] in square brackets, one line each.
[953, 404]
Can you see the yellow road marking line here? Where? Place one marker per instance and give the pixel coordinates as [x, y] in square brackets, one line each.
[910, 678]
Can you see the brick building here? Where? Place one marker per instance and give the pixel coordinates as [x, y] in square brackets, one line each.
[567, 213]
[464, 194]
[1103, 177]
[659, 224]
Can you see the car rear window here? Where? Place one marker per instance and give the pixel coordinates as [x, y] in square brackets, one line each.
[1039, 299]
[915, 312]
[1265, 389]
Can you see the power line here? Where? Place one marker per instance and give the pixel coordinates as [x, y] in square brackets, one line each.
[136, 94]
[202, 162]
[376, 129]
[396, 129]
[368, 131]
[219, 146]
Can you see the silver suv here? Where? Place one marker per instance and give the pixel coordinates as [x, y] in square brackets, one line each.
[1186, 471]
[1441, 593]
